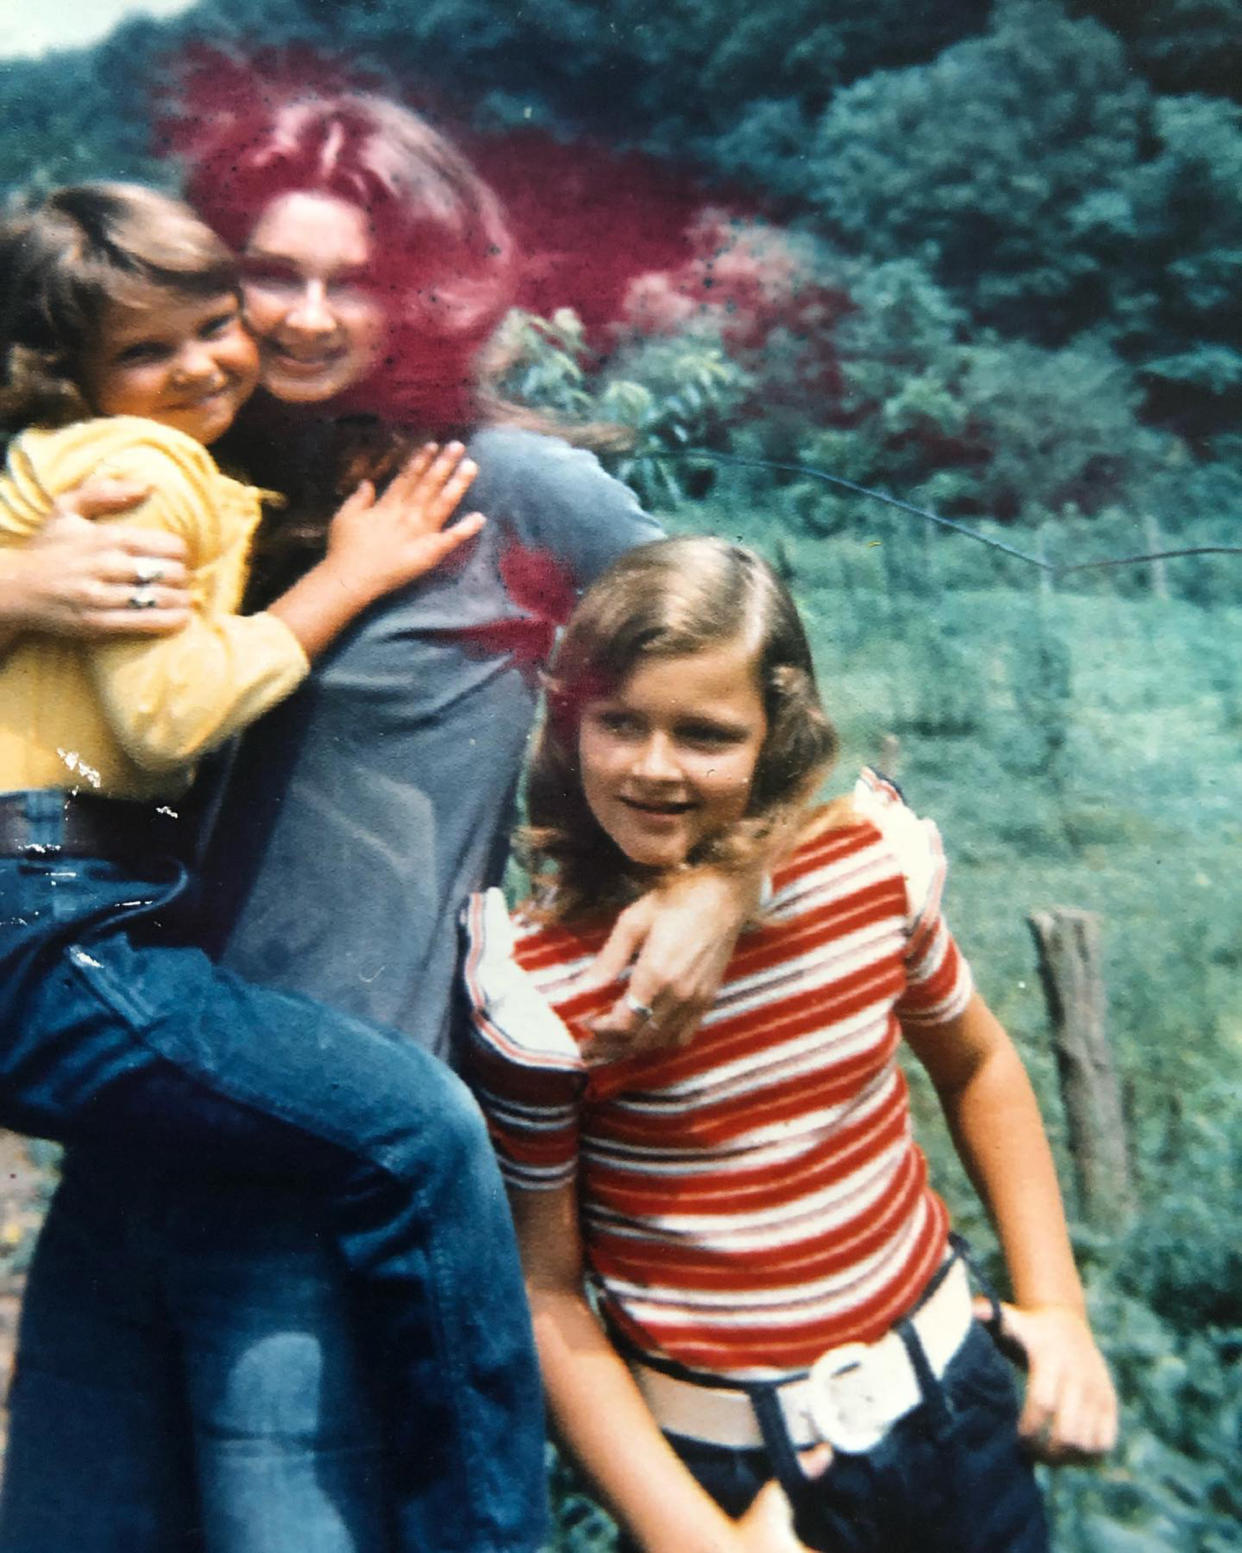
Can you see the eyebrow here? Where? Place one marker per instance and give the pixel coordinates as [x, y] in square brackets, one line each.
[709, 720]
[259, 256]
[152, 336]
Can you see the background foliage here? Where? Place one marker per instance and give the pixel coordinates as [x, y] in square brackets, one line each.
[986, 257]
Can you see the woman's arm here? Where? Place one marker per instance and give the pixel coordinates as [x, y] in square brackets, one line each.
[679, 940]
[602, 1416]
[1071, 1407]
[77, 578]
[171, 700]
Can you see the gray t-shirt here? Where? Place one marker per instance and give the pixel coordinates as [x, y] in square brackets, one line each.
[363, 811]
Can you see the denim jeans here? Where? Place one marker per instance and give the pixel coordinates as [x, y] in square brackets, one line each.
[190, 1377]
[115, 1032]
[950, 1477]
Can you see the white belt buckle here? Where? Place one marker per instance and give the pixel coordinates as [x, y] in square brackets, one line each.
[845, 1402]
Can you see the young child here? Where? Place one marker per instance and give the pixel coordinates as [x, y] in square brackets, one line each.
[735, 1242]
[122, 349]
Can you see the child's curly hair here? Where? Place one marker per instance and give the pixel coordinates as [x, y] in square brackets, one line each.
[663, 600]
[64, 261]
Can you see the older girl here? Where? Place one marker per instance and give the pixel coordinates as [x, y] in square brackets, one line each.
[737, 1267]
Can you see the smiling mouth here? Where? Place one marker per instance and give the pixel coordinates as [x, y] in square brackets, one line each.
[293, 362]
[205, 401]
[659, 808]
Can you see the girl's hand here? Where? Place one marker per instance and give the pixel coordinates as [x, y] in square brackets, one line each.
[680, 938]
[1070, 1412]
[81, 579]
[376, 544]
[768, 1526]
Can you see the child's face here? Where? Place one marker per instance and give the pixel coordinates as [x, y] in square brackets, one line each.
[669, 758]
[186, 362]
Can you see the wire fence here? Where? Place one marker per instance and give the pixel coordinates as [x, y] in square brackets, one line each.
[1052, 568]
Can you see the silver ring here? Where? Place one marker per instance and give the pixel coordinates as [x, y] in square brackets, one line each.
[147, 570]
[644, 1010]
[142, 597]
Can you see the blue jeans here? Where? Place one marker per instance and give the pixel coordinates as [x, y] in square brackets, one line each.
[950, 1477]
[115, 1032]
[190, 1376]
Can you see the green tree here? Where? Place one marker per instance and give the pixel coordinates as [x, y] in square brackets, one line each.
[1177, 314]
[972, 424]
[978, 164]
[79, 114]
[1180, 45]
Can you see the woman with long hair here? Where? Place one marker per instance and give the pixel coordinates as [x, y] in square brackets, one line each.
[190, 1340]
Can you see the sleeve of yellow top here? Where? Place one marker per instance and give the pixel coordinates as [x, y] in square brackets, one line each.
[171, 699]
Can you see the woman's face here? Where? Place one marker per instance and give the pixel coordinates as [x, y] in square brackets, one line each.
[305, 272]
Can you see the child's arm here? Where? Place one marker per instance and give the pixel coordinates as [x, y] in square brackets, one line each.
[601, 1415]
[1071, 1407]
[170, 700]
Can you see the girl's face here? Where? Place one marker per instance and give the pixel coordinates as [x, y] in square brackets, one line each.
[305, 269]
[186, 362]
[668, 759]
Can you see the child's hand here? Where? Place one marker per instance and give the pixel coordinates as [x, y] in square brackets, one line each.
[1070, 1411]
[376, 544]
[768, 1527]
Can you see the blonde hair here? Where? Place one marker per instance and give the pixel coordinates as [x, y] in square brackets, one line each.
[64, 261]
[664, 600]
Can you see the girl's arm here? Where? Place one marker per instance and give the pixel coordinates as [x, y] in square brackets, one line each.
[170, 700]
[601, 1415]
[1071, 1407]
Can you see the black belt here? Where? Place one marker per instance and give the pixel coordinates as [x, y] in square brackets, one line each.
[82, 825]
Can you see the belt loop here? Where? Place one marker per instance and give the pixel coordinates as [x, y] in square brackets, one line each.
[45, 814]
[765, 1399]
[962, 1248]
[934, 1400]
[939, 1415]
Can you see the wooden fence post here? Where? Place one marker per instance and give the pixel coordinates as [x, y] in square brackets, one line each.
[1068, 942]
[1154, 540]
[1041, 545]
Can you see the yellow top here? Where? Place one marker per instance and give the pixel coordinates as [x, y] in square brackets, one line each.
[128, 718]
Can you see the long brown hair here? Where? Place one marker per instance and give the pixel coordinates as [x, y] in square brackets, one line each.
[442, 257]
[664, 600]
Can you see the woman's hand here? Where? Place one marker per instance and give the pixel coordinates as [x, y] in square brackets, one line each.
[1070, 1411]
[376, 544]
[76, 578]
[381, 543]
[680, 939]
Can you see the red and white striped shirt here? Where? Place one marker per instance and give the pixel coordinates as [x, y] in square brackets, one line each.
[755, 1198]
